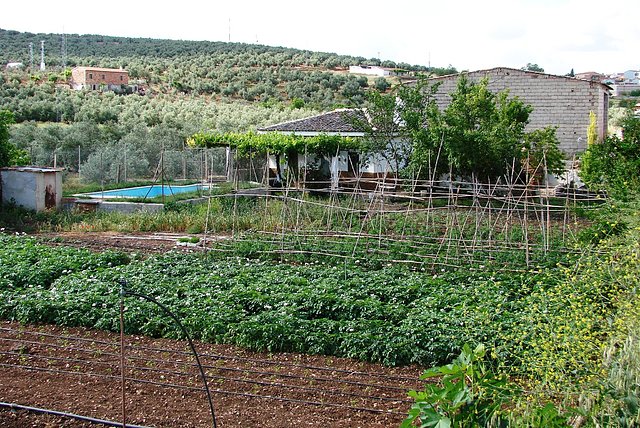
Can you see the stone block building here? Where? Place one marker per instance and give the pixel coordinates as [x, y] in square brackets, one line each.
[99, 79]
[565, 102]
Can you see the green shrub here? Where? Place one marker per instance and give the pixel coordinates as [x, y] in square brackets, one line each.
[614, 164]
[468, 394]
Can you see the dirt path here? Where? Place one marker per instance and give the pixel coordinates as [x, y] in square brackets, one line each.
[78, 371]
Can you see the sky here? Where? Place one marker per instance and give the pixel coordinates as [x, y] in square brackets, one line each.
[558, 35]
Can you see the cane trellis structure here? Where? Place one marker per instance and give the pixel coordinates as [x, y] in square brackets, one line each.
[439, 221]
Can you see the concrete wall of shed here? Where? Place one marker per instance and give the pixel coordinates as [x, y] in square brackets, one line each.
[32, 188]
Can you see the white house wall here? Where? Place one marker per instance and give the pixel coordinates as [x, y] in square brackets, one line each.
[374, 164]
[341, 161]
[273, 165]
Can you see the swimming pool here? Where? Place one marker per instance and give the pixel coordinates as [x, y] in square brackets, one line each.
[143, 191]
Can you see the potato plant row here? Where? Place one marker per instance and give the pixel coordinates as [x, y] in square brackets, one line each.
[25, 263]
[390, 315]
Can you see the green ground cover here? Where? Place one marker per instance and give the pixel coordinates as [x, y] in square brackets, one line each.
[388, 314]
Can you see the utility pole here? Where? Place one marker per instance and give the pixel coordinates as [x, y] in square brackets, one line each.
[125, 163]
[42, 66]
[63, 49]
[30, 56]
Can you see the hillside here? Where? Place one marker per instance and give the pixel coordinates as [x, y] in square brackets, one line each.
[229, 70]
[189, 86]
[14, 47]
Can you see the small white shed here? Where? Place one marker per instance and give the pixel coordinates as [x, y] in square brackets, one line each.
[31, 187]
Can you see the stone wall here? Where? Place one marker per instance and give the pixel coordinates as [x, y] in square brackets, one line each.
[557, 101]
[88, 77]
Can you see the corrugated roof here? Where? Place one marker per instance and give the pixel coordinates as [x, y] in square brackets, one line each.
[334, 122]
[31, 169]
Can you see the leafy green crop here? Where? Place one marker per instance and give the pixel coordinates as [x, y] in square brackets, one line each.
[25, 263]
[390, 315]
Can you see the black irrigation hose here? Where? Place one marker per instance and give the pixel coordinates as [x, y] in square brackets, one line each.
[232, 369]
[124, 292]
[14, 406]
[216, 356]
[193, 388]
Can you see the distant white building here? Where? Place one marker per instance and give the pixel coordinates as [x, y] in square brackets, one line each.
[621, 89]
[623, 83]
[371, 70]
[13, 65]
[632, 77]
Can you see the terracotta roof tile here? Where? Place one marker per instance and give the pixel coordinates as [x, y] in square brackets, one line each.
[337, 121]
[98, 69]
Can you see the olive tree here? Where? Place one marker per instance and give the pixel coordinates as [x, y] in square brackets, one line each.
[114, 163]
[9, 154]
[6, 119]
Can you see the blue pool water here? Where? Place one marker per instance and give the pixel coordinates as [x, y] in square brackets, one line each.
[144, 191]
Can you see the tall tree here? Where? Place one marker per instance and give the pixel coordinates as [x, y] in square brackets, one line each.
[9, 154]
[421, 119]
[396, 123]
[383, 130]
[533, 67]
[483, 131]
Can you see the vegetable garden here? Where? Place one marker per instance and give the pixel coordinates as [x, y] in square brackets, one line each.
[392, 271]
[390, 279]
[389, 315]
[407, 268]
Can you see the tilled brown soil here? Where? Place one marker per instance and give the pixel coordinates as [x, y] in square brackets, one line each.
[78, 371]
[145, 243]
